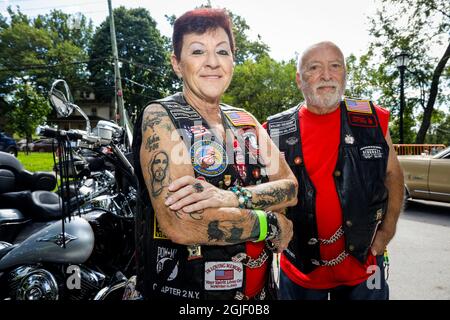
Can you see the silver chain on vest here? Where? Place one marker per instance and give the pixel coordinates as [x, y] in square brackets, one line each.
[335, 237]
[331, 263]
[248, 261]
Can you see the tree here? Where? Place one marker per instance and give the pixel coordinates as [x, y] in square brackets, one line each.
[415, 27]
[246, 48]
[28, 109]
[144, 54]
[264, 88]
[39, 51]
[377, 81]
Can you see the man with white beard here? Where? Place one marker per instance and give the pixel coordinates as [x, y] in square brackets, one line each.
[350, 185]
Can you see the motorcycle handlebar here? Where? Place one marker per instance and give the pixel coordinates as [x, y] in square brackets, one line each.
[72, 135]
[55, 133]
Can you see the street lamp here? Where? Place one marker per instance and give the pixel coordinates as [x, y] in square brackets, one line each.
[402, 61]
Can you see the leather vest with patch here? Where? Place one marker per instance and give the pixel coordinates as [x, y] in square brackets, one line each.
[359, 179]
[170, 270]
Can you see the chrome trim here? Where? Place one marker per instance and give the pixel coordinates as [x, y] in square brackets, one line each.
[103, 293]
[58, 239]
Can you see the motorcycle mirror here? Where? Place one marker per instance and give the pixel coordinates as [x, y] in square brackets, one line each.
[61, 98]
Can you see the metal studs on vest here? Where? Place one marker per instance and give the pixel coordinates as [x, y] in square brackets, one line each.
[351, 247]
[348, 223]
[256, 173]
[312, 241]
[337, 173]
[298, 160]
[315, 262]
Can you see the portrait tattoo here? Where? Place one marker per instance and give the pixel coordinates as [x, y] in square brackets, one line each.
[159, 173]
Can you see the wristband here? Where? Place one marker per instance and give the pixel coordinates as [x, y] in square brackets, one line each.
[262, 225]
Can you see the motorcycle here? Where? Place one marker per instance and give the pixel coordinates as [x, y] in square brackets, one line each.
[78, 243]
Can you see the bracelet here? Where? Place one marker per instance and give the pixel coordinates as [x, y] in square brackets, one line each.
[243, 195]
[262, 225]
[273, 228]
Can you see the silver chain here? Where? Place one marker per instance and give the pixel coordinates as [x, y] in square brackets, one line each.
[335, 237]
[249, 261]
[331, 263]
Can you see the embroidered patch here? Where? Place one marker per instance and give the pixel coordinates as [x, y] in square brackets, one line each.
[282, 127]
[362, 120]
[199, 131]
[164, 256]
[371, 152]
[362, 106]
[240, 118]
[183, 112]
[292, 141]
[208, 158]
[223, 275]
[157, 233]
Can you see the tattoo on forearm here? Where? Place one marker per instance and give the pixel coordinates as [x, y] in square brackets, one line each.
[233, 231]
[196, 215]
[214, 233]
[158, 169]
[235, 235]
[273, 196]
[255, 229]
[152, 143]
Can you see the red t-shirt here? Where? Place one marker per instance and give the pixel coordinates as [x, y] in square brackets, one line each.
[320, 136]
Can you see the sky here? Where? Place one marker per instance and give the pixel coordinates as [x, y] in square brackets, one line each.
[287, 26]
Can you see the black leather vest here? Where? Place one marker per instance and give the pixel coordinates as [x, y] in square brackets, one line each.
[359, 178]
[166, 269]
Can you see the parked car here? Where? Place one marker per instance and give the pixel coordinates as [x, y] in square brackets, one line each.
[43, 145]
[8, 144]
[427, 177]
[22, 143]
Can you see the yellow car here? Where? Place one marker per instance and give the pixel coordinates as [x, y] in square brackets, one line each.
[427, 177]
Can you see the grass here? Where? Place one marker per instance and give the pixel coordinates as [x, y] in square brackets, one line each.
[36, 161]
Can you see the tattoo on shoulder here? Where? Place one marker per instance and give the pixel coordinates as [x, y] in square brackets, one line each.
[158, 169]
[153, 119]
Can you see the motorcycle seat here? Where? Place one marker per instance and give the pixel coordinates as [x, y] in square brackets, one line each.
[48, 205]
[39, 205]
[6, 247]
[13, 176]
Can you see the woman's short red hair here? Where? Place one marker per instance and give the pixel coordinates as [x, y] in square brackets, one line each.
[200, 21]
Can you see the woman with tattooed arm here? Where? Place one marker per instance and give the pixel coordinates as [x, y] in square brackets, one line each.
[213, 186]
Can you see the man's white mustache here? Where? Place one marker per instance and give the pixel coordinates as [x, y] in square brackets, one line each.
[327, 84]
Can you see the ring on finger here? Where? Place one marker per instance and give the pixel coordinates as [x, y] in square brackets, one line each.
[198, 187]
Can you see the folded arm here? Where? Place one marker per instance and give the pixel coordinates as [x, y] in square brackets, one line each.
[164, 159]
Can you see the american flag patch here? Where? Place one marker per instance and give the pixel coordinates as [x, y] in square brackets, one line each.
[198, 131]
[240, 118]
[362, 106]
[224, 274]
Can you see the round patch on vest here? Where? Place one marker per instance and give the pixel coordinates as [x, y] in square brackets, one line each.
[208, 158]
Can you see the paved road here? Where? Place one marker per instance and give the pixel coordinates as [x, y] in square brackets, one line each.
[420, 253]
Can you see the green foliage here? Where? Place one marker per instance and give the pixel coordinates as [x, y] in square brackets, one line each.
[39, 51]
[263, 88]
[143, 51]
[28, 109]
[245, 48]
[414, 27]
